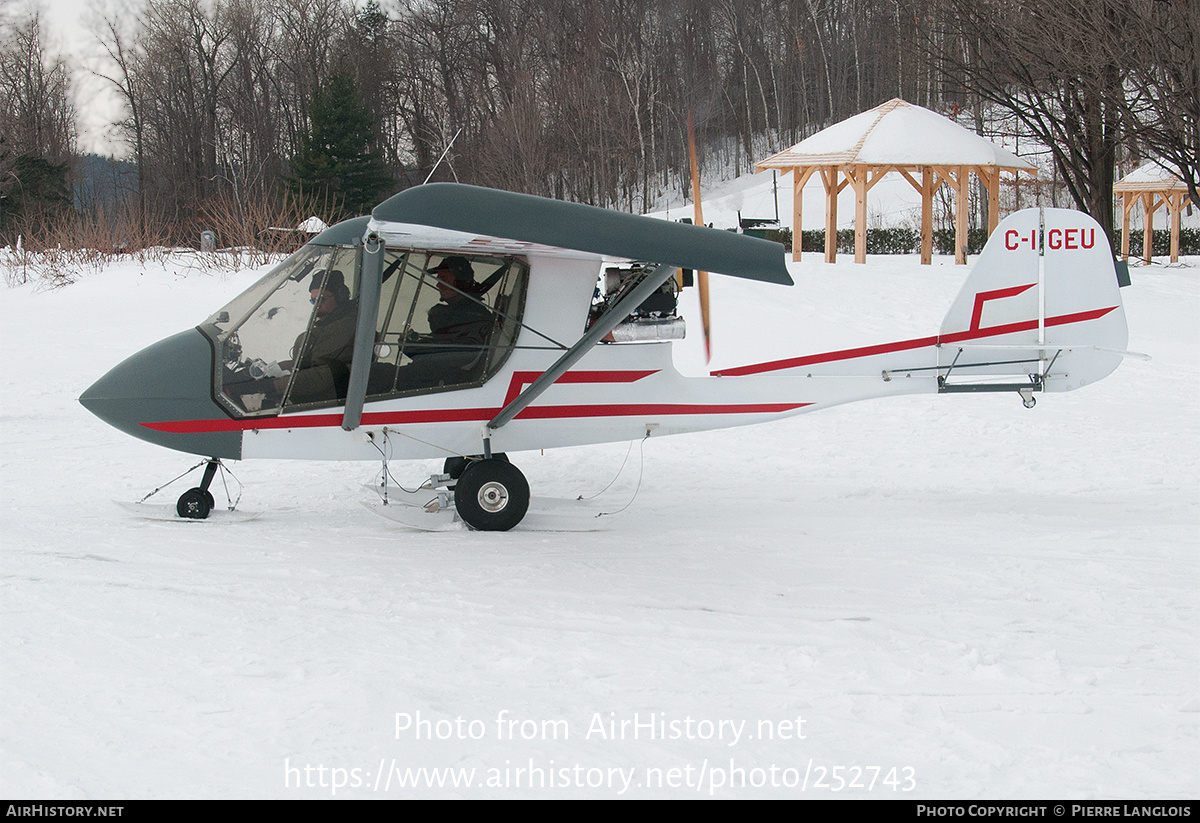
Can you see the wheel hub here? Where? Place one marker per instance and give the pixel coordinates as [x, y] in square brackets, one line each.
[493, 497]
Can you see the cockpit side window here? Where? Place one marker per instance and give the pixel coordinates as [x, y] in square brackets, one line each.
[446, 321]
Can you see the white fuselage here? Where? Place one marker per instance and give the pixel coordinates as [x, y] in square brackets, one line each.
[617, 392]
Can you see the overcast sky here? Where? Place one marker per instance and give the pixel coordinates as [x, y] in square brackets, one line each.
[65, 31]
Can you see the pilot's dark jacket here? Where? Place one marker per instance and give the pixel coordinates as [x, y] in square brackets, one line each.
[452, 353]
[323, 367]
[461, 323]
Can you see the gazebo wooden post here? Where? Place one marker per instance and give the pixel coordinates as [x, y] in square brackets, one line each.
[991, 179]
[800, 175]
[927, 187]
[797, 214]
[1148, 228]
[960, 216]
[858, 178]
[829, 176]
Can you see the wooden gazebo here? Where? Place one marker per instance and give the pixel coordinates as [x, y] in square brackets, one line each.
[1153, 186]
[924, 147]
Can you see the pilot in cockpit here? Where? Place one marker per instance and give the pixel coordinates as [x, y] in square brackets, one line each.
[322, 355]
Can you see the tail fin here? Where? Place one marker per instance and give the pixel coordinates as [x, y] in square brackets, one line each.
[1041, 303]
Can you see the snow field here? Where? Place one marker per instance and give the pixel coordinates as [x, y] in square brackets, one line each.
[1002, 600]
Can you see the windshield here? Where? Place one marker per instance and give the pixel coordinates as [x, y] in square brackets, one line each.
[289, 338]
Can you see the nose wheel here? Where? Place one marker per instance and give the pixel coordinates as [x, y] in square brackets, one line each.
[197, 503]
[491, 495]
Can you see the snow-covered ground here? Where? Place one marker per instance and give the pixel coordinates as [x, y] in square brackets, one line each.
[920, 597]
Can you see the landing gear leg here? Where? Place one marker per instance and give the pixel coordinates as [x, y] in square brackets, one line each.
[197, 503]
[455, 466]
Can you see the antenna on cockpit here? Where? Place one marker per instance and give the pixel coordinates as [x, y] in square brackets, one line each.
[443, 157]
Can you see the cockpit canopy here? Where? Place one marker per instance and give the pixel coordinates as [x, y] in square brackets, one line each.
[446, 320]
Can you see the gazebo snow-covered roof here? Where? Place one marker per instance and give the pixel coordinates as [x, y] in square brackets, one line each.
[911, 140]
[1153, 185]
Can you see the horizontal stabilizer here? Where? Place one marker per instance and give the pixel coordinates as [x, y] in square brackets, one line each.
[1052, 347]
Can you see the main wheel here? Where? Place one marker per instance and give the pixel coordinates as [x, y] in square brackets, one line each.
[194, 504]
[491, 495]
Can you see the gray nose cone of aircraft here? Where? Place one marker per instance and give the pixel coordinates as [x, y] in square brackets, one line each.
[167, 382]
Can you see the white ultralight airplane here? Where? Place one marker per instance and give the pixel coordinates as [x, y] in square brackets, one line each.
[462, 323]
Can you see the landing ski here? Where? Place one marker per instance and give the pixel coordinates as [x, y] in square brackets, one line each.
[166, 512]
[544, 515]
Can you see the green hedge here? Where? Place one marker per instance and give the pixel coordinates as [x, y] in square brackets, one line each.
[887, 241]
[908, 241]
[1160, 246]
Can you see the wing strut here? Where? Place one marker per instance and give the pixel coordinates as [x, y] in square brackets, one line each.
[364, 337]
[603, 325]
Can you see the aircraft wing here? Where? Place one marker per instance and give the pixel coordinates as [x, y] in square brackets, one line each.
[527, 219]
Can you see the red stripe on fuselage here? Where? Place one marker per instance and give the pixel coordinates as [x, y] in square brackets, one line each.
[826, 357]
[518, 381]
[313, 421]
[905, 345]
[634, 409]
[521, 379]
[1024, 325]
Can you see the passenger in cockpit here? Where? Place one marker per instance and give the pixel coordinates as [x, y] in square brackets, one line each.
[460, 328]
[457, 321]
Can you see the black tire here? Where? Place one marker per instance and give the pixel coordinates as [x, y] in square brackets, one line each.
[454, 466]
[194, 504]
[492, 495]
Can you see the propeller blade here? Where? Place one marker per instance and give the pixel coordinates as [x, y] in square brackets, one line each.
[701, 276]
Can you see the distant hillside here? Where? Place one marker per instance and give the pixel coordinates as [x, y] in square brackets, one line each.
[102, 181]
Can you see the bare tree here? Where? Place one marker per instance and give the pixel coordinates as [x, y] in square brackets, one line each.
[249, 131]
[37, 126]
[1162, 102]
[38, 117]
[1062, 71]
[115, 32]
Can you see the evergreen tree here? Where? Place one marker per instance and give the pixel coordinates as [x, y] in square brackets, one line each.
[335, 159]
[33, 194]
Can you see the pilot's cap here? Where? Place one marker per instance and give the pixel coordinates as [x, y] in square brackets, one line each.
[459, 266]
[333, 282]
